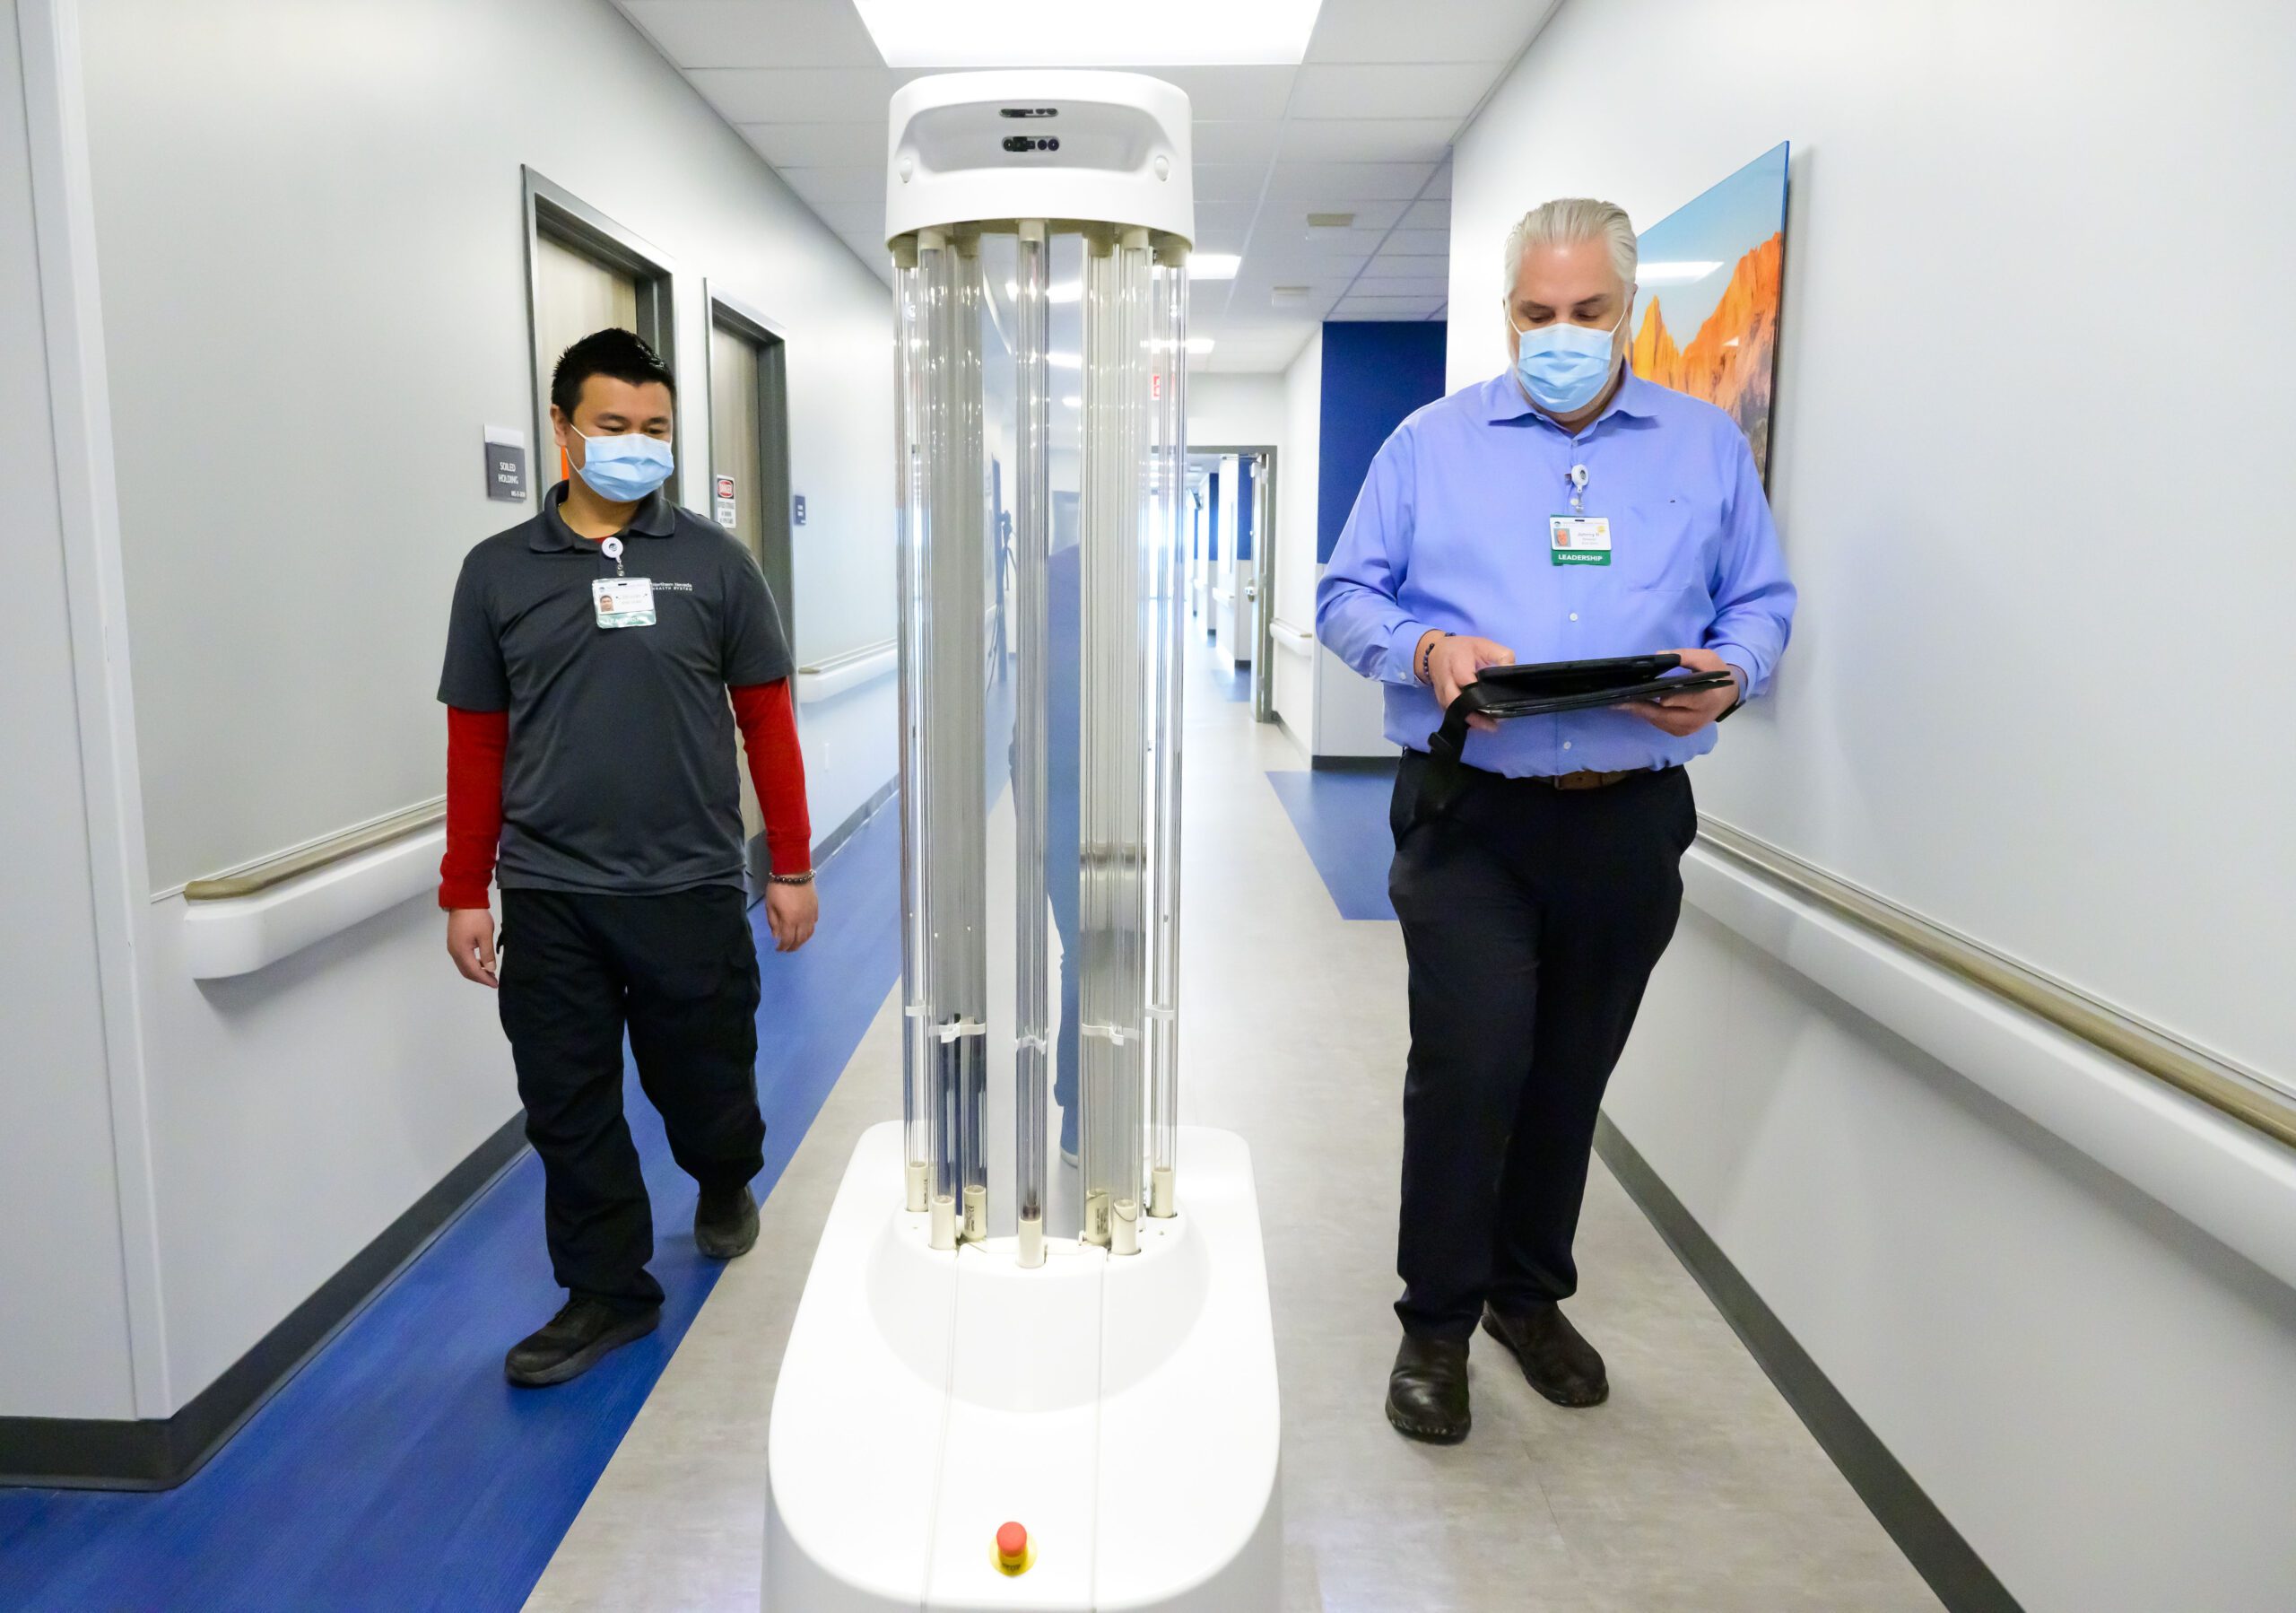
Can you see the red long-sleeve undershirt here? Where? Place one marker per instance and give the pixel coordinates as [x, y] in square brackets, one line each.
[476, 742]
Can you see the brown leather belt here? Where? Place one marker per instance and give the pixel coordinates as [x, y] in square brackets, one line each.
[1583, 780]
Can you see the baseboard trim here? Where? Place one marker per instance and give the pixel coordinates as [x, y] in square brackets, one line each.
[757, 865]
[1354, 765]
[158, 1453]
[1930, 1542]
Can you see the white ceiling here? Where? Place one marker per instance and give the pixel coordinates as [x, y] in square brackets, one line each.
[1363, 125]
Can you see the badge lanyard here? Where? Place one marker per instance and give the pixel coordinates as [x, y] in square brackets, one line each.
[1579, 539]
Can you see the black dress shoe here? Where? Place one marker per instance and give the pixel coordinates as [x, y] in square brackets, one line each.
[725, 1225]
[1427, 1392]
[570, 1343]
[1559, 1364]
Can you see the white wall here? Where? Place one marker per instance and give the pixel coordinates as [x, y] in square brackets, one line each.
[315, 294]
[1295, 542]
[63, 1288]
[311, 249]
[1236, 411]
[1983, 468]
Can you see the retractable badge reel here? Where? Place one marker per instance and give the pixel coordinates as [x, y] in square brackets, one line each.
[621, 601]
[1579, 539]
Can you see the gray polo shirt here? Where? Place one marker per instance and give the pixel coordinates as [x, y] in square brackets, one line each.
[619, 778]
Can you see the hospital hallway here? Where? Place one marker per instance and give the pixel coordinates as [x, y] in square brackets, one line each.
[712, 713]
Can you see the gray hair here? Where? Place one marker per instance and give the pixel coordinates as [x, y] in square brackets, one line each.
[1570, 220]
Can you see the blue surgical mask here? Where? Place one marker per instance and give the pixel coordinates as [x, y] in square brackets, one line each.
[1565, 367]
[624, 469]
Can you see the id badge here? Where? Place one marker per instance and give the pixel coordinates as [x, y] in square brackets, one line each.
[1579, 540]
[623, 601]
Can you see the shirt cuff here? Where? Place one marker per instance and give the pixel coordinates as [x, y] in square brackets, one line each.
[1740, 660]
[1400, 665]
[455, 894]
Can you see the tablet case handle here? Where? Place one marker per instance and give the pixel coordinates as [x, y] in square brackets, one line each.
[1446, 775]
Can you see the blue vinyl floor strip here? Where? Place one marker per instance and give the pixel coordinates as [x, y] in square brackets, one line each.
[398, 1470]
[1235, 682]
[1341, 819]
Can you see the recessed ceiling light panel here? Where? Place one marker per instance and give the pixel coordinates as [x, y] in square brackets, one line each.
[1009, 34]
[1213, 265]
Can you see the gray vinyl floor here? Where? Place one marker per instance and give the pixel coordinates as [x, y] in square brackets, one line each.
[1694, 1488]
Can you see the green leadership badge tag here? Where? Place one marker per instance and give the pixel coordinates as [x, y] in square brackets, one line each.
[623, 601]
[1579, 540]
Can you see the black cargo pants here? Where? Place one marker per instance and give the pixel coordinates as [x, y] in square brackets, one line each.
[679, 973]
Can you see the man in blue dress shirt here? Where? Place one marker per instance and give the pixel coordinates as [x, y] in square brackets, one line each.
[1564, 511]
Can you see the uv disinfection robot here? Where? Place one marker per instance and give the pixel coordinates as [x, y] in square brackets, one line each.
[1066, 1400]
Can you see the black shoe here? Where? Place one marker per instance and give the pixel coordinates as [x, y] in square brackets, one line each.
[1559, 1364]
[583, 1333]
[725, 1225]
[1427, 1392]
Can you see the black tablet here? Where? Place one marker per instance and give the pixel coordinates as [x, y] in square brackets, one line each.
[1548, 686]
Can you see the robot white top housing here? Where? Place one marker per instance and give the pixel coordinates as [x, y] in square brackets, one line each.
[1082, 1414]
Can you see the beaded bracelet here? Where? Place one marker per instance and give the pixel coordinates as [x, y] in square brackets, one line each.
[1427, 656]
[804, 879]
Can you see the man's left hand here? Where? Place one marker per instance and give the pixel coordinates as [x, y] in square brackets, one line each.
[1683, 715]
[791, 911]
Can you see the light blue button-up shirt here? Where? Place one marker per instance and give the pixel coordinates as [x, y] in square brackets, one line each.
[1450, 531]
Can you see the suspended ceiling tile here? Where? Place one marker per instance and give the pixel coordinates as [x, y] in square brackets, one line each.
[1376, 281]
[1301, 245]
[1332, 183]
[1449, 89]
[1425, 31]
[1432, 213]
[1368, 139]
[1430, 243]
[757, 33]
[1229, 181]
[821, 186]
[815, 144]
[1236, 140]
[795, 94]
[1386, 307]
[1221, 94]
[1440, 186]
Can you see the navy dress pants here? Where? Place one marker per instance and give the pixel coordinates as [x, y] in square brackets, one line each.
[1532, 918]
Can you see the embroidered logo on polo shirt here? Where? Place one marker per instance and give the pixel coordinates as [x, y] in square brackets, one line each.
[674, 588]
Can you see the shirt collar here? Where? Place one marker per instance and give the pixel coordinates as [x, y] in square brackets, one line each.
[654, 518]
[1634, 397]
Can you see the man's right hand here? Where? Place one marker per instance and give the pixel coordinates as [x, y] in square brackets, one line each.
[470, 942]
[1453, 664]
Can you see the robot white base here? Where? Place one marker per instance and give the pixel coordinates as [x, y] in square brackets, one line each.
[1124, 1411]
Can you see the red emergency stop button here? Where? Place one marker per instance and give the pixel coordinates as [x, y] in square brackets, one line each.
[1013, 1553]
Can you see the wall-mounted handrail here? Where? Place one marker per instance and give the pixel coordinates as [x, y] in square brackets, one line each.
[848, 669]
[2101, 1027]
[260, 877]
[1299, 641]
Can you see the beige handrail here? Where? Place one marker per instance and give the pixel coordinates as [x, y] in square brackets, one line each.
[2100, 1027]
[258, 877]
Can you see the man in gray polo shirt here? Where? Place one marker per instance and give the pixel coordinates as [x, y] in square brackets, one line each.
[599, 658]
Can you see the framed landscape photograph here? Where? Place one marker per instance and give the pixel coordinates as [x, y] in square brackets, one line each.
[1705, 318]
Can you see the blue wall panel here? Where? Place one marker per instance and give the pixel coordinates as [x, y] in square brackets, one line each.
[1375, 373]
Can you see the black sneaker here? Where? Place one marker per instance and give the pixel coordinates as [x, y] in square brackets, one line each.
[725, 1223]
[583, 1333]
